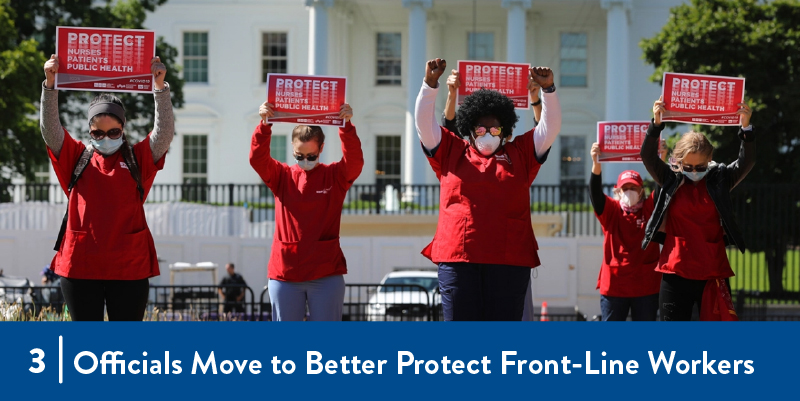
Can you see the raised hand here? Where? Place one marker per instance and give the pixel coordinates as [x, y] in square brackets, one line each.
[50, 71]
[159, 71]
[658, 110]
[595, 152]
[744, 112]
[265, 111]
[543, 76]
[453, 82]
[346, 112]
[433, 70]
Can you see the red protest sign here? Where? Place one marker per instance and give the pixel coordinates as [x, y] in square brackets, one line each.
[702, 99]
[101, 59]
[621, 141]
[510, 79]
[306, 99]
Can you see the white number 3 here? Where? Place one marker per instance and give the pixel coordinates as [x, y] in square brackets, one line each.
[38, 361]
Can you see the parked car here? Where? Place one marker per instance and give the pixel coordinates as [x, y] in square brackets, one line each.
[405, 295]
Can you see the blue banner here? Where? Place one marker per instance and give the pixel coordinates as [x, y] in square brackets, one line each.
[399, 361]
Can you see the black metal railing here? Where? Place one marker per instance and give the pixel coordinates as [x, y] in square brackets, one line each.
[202, 302]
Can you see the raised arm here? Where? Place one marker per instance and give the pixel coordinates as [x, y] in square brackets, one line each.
[550, 125]
[534, 95]
[164, 126]
[453, 82]
[424, 112]
[262, 162]
[49, 121]
[596, 195]
[747, 150]
[352, 156]
[657, 168]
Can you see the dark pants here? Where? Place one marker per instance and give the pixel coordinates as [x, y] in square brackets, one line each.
[473, 291]
[678, 297]
[233, 306]
[617, 308]
[122, 299]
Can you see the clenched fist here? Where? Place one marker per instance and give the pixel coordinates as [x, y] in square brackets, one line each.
[542, 76]
[433, 70]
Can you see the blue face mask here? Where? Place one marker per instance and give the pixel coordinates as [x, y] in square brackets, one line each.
[106, 146]
[307, 165]
[694, 175]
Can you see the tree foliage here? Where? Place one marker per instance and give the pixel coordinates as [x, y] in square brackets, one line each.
[21, 148]
[29, 31]
[756, 40]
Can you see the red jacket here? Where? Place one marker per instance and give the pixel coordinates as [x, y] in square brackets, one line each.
[627, 269]
[308, 207]
[107, 236]
[484, 205]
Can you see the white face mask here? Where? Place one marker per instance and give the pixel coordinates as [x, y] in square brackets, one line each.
[629, 197]
[487, 144]
[106, 146]
[307, 165]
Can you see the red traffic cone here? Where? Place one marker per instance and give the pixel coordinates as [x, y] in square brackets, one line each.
[544, 317]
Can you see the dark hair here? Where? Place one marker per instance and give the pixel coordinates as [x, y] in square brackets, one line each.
[106, 97]
[305, 133]
[231, 265]
[484, 102]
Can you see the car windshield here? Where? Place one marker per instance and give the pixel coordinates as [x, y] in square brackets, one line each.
[429, 283]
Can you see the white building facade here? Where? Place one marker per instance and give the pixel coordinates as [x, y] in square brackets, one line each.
[227, 47]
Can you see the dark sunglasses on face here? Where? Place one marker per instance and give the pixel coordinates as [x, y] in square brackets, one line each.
[689, 168]
[99, 134]
[481, 130]
[310, 158]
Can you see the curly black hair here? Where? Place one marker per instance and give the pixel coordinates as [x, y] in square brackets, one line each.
[485, 102]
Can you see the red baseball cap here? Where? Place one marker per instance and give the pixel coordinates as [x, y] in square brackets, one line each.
[629, 177]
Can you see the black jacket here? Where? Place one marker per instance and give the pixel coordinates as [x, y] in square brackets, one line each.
[720, 180]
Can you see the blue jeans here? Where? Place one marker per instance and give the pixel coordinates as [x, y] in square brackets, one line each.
[324, 295]
[474, 291]
[641, 308]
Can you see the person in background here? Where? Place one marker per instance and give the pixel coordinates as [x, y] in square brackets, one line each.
[627, 281]
[484, 243]
[49, 293]
[105, 251]
[307, 263]
[449, 122]
[232, 289]
[694, 219]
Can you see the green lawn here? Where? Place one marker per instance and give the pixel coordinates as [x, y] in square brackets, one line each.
[751, 271]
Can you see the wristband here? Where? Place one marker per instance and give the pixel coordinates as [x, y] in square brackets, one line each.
[536, 103]
[550, 89]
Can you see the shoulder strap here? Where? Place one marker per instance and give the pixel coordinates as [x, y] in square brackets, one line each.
[133, 164]
[83, 161]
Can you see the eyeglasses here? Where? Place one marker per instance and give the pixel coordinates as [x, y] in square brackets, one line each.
[481, 130]
[689, 168]
[310, 158]
[99, 134]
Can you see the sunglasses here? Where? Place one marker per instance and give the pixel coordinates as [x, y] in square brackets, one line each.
[689, 168]
[99, 134]
[310, 158]
[481, 130]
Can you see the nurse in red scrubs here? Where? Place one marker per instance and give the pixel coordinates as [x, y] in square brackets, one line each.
[484, 243]
[106, 253]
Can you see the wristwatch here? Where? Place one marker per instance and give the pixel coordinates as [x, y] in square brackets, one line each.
[551, 89]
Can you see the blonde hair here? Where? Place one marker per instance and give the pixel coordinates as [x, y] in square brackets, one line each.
[692, 142]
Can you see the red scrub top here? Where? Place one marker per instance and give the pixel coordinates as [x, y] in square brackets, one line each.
[484, 204]
[694, 247]
[308, 207]
[107, 236]
[627, 269]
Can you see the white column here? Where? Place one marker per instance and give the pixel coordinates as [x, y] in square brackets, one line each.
[414, 164]
[516, 50]
[617, 77]
[318, 36]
